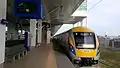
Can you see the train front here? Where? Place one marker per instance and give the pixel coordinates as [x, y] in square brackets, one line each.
[86, 47]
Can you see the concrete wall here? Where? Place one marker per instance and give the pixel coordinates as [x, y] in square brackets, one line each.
[2, 30]
[48, 36]
[2, 43]
[2, 8]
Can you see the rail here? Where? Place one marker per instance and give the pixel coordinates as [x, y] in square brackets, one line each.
[108, 63]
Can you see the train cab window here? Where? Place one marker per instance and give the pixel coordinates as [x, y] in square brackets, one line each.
[84, 39]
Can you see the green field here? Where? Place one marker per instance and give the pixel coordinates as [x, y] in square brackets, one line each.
[112, 57]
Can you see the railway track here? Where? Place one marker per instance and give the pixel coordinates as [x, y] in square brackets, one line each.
[104, 63]
[109, 63]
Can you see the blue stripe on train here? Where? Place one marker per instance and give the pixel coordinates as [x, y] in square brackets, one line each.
[98, 51]
[72, 49]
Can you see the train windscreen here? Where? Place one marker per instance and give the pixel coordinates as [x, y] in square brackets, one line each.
[84, 39]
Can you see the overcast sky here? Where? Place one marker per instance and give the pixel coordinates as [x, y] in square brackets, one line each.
[104, 17]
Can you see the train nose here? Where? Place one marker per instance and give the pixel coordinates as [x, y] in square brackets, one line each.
[85, 53]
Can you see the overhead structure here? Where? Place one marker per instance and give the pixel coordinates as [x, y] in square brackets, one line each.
[55, 11]
[60, 11]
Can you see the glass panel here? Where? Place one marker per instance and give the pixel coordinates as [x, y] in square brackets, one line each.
[84, 39]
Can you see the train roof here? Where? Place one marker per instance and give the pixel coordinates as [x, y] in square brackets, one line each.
[78, 29]
[81, 29]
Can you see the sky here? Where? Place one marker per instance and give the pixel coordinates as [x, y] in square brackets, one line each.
[104, 17]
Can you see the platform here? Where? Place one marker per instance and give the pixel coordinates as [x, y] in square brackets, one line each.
[42, 57]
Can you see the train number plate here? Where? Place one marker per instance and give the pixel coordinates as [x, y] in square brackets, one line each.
[86, 50]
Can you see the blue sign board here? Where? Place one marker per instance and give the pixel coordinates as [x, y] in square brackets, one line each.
[32, 9]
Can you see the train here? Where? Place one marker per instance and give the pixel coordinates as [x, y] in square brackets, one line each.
[81, 44]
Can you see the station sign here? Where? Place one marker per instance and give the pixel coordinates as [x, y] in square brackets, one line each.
[31, 9]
